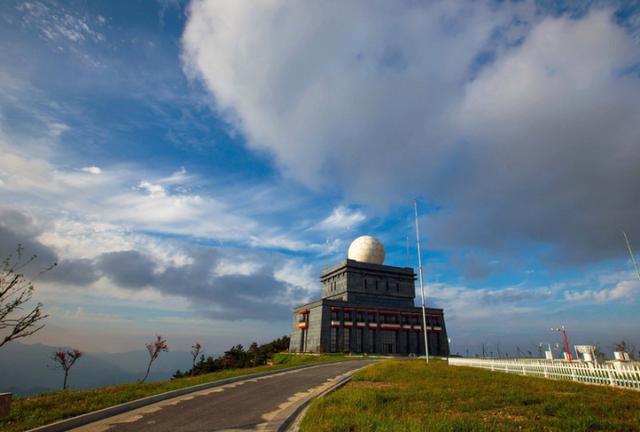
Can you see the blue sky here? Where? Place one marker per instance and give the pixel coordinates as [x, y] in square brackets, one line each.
[193, 166]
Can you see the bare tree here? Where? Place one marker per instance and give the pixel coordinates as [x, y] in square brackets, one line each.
[195, 352]
[16, 291]
[155, 348]
[65, 360]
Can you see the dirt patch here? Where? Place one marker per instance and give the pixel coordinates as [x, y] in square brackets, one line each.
[492, 415]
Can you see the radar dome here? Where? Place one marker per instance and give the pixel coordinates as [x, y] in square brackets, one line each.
[366, 249]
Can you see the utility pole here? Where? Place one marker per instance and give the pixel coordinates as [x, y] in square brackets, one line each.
[424, 312]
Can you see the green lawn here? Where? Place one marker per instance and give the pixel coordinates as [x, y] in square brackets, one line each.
[397, 395]
[30, 412]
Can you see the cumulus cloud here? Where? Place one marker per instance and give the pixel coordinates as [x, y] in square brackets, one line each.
[627, 290]
[515, 132]
[214, 281]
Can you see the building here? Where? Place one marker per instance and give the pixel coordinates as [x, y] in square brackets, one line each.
[367, 307]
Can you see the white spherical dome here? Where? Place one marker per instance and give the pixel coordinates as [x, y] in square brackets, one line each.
[366, 249]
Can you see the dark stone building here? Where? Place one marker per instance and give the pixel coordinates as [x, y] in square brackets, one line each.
[367, 307]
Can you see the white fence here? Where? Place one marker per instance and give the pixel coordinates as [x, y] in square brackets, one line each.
[616, 374]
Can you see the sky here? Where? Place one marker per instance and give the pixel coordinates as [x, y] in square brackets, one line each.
[193, 166]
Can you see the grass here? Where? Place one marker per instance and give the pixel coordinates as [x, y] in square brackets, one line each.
[397, 395]
[34, 411]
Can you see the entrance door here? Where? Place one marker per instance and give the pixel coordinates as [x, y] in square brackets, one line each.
[388, 342]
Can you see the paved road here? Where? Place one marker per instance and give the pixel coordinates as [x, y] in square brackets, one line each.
[255, 404]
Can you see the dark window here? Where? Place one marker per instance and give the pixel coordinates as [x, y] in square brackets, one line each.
[359, 340]
[397, 287]
[334, 340]
[387, 286]
[345, 340]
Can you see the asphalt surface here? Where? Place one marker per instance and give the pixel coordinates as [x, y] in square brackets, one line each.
[254, 404]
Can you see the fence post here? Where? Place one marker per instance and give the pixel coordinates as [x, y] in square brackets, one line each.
[612, 380]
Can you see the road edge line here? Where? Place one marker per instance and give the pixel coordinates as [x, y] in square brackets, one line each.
[93, 416]
[292, 422]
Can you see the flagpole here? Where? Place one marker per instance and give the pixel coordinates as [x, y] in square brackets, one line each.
[424, 312]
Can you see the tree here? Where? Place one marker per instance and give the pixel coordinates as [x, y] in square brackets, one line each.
[65, 360]
[254, 349]
[195, 351]
[155, 348]
[16, 291]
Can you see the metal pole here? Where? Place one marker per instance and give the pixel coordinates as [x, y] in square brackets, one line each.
[633, 258]
[424, 312]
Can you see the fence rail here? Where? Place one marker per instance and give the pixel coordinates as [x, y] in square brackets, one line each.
[615, 374]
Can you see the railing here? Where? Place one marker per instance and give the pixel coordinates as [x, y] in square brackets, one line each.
[616, 374]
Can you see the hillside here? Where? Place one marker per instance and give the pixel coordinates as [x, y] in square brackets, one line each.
[405, 395]
[34, 411]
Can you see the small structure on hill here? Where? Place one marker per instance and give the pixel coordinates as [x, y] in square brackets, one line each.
[367, 307]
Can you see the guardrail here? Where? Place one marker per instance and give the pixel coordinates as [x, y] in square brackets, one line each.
[615, 374]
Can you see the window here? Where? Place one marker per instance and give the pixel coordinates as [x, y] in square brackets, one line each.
[334, 340]
[387, 286]
[345, 340]
[334, 316]
[397, 287]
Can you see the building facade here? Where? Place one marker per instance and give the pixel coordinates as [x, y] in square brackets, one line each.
[367, 307]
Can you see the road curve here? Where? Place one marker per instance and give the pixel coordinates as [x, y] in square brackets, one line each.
[254, 404]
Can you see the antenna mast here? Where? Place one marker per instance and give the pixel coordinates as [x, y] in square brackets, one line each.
[424, 312]
[635, 264]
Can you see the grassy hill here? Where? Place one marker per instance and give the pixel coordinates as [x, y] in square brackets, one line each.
[33, 411]
[398, 395]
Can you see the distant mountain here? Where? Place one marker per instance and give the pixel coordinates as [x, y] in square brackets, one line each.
[28, 369]
[136, 361]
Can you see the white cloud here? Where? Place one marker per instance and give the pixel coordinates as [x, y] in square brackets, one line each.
[342, 218]
[628, 290]
[345, 93]
[463, 304]
[92, 170]
[389, 101]
[55, 23]
[155, 190]
[300, 275]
